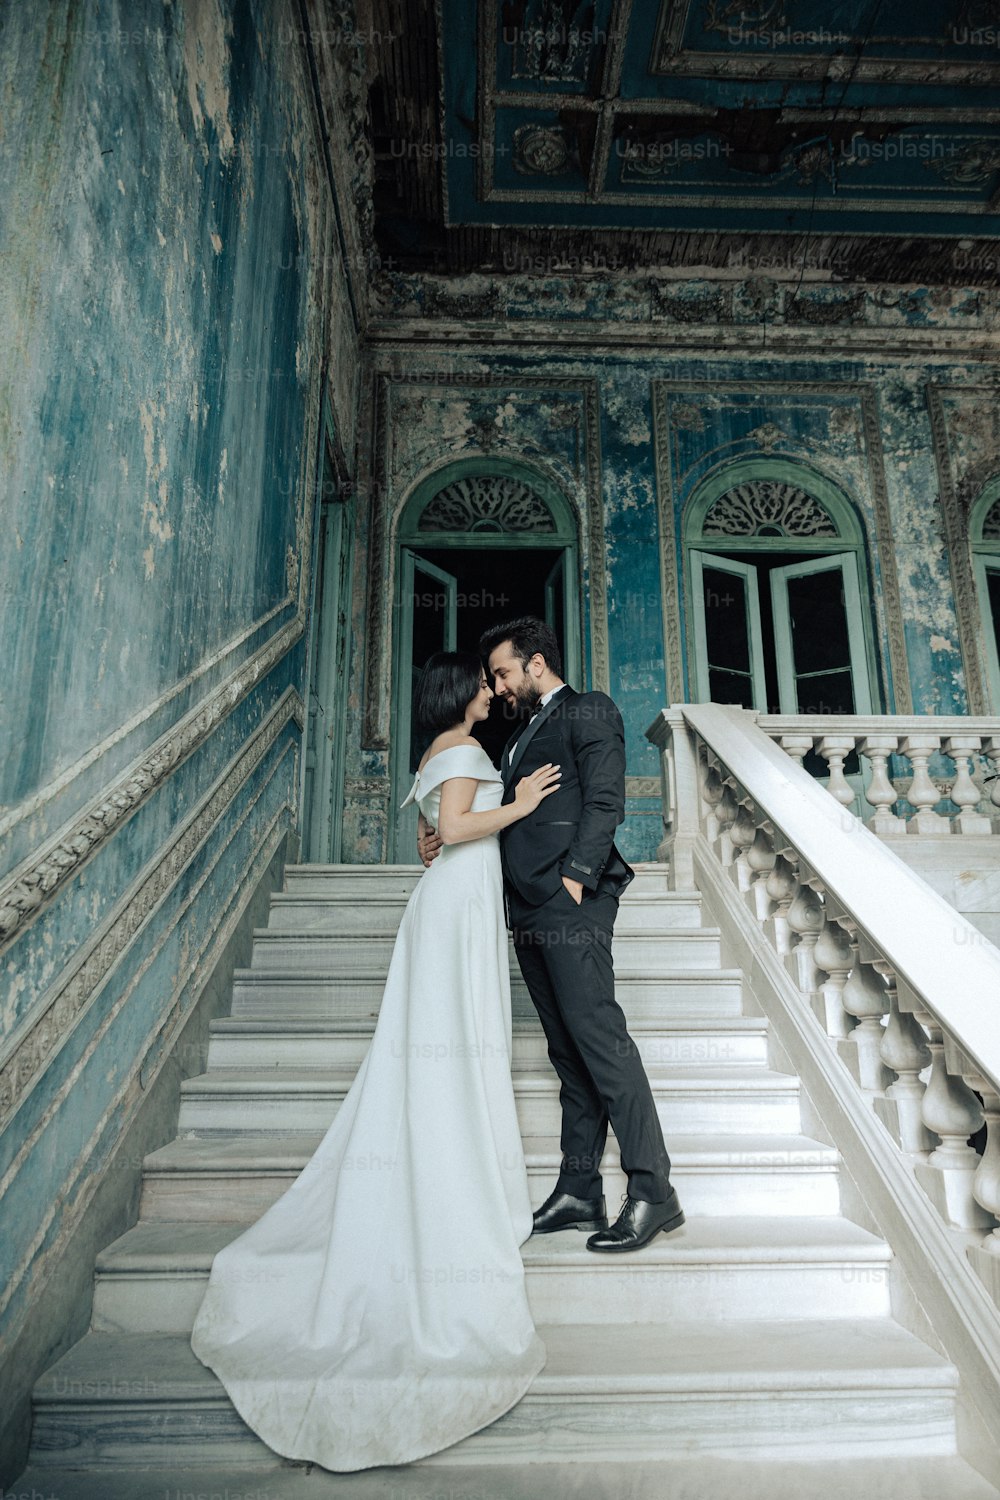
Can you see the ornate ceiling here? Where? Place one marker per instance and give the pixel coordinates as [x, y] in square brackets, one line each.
[852, 137]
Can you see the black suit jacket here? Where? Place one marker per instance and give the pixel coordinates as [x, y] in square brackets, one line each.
[572, 832]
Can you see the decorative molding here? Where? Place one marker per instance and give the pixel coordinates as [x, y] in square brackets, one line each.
[389, 498]
[30, 887]
[51, 1020]
[541, 150]
[33, 804]
[666, 510]
[898, 693]
[770, 18]
[974, 165]
[378, 613]
[78, 1192]
[369, 788]
[488, 503]
[764, 507]
[553, 45]
[958, 489]
[600, 665]
[643, 786]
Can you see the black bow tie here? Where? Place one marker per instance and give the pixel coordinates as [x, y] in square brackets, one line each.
[536, 708]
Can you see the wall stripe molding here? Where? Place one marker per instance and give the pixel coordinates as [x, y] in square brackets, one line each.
[77, 1193]
[32, 885]
[49, 1023]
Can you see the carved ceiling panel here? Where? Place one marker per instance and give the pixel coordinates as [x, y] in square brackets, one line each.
[513, 121]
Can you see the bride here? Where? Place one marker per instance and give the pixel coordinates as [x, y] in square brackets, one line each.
[377, 1312]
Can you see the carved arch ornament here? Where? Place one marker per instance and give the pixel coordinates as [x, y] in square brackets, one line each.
[888, 609]
[583, 497]
[492, 504]
[767, 507]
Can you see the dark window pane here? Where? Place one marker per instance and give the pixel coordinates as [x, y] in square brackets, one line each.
[819, 622]
[726, 622]
[993, 586]
[730, 687]
[825, 693]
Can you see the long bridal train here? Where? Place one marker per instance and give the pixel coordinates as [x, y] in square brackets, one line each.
[377, 1312]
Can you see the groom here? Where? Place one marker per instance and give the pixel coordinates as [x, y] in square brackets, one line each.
[563, 876]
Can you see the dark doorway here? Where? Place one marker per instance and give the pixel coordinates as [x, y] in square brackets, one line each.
[492, 585]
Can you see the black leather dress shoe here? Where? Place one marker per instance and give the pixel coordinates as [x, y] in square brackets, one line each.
[637, 1224]
[563, 1211]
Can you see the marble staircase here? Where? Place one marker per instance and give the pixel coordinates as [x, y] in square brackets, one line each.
[755, 1348]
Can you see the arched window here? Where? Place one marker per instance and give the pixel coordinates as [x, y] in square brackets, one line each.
[777, 593]
[479, 540]
[984, 537]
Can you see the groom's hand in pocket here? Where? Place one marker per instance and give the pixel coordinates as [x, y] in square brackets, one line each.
[575, 888]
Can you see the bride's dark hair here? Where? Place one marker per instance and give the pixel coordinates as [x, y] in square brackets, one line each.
[447, 685]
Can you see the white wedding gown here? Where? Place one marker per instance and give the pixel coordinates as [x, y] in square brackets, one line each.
[377, 1312]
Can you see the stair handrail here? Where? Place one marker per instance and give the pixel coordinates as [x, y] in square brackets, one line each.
[899, 978]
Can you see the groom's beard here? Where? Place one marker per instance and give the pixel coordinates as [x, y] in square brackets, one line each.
[526, 697]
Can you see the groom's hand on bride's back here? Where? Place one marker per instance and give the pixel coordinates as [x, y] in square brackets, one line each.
[428, 845]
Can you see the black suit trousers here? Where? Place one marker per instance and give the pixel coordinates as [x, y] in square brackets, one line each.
[564, 952]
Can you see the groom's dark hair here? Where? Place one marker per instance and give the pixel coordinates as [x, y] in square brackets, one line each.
[448, 683]
[528, 637]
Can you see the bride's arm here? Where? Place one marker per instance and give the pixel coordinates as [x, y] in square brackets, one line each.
[457, 824]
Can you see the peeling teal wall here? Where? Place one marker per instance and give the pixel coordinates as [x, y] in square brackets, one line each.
[165, 252]
[450, 404]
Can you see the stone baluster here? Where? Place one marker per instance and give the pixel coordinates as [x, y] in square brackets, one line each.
[880, 791]
[741, 835]
[964, 793]
[726, 813]
[835, 748]
[952, 1111]
[923, 794]
[864, 997]
[796, 746]
[807, 919]
[760, 860]
[782, 886]
[712, 788]
[904, 1050]
[986, 1189]
[991, 747]
[834, 956]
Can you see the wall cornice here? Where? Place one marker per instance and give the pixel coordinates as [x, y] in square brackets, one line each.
[892, 345]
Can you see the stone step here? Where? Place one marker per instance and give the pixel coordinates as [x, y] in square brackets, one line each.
[153, 1278]
[328, 995]
[364, 880]
[689, 1100]
[236, 1176]
[352, 912]
[821, 1476]
[279, 1042]
[608, 1392]
[370, 952]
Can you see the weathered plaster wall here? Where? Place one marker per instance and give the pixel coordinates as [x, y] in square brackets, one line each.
[173, 282]
[665, 418]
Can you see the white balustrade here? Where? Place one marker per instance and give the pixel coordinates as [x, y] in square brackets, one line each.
[949, 767]
[868, 947]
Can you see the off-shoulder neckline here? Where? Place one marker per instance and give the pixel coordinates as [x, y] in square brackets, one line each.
[448, 749]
